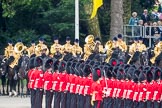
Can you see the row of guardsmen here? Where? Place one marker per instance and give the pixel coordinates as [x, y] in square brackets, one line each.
[90, 84]
[90, 47]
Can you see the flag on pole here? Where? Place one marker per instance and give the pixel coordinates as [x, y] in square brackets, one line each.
[96, 5]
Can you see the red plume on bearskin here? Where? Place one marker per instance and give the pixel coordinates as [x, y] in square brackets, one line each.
[113, 62]
[96, 73]
[38, 61]
[48, 63]
[157, 74]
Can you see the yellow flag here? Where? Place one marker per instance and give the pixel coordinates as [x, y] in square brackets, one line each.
[96, 5]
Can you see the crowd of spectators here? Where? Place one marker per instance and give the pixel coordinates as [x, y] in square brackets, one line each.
[147, 25]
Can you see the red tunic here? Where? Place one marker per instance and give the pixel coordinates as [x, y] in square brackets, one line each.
[120, 89]
[97, 89]
[129, 86]
[156, 89]
[77, 84]
[149, 92]
[142, 91]
[63, 82]
[31, 78]
[87, 86]
[72, 83]
[48, 82]
[56, 81]
[82, 85]
[39, 81]
[114, 91]
[135, 92]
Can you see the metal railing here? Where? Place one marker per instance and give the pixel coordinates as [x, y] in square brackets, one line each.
[130, 32]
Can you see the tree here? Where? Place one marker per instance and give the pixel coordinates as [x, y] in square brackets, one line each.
[116, 18]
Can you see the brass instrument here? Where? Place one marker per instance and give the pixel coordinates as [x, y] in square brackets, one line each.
[90, 41]
[19, 47]
[109, 46]
[158, 49]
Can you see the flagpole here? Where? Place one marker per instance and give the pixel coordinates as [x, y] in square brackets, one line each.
[76, 19]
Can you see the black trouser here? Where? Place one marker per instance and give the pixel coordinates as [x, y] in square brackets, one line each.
[33, 97]
[81, 101]
[68, 100]
[73, 103]
[63, 100]
[49, 97]
[119, 103]
[57, 98]
[136, 104]
[88, 101]
[97, 104]
[142, 105]
[108, 102]
[156, 104]
[39, 98]
[149, 104]
[128, 103]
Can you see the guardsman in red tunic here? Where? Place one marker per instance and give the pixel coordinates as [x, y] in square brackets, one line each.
[129, 86]
[120, 88]
[48, 82]
[149, 87]
[39, 81]
[88, 83]
[135, 88]
[63, 83]
[31, 77]
[97, 89]
[156, 88]
[68, 95]
[107, 85]
[56, 85]
[142, 89]
[72, 89]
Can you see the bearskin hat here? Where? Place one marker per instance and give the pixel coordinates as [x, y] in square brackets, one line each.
[38, 61]
[55, 65]
[113, 62]
[77, 72]
[142, 76]
[49, 63]
[121, 61]
[67, 67]
[114, 72]
[61, 66]
[86, 70]
[157, 74]
[96, 74]
[108, 71]
[120, 74]
[80, 68]
[129, 73]
[149, 76]
[72, 68]
[92, 63]
[136, 75]
[31, 63]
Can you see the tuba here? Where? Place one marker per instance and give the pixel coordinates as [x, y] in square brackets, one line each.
[108, 47]
[38, 49]
[90, 40]
[19, 47]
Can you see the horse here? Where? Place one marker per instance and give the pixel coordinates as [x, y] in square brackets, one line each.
[22, 74]
[118, 54]
[140, 58]
[158, 61]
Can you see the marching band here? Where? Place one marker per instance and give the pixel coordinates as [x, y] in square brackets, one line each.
[86, 83]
